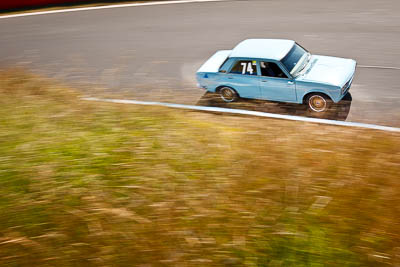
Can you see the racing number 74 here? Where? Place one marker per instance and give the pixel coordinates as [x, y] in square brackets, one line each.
[247, 66]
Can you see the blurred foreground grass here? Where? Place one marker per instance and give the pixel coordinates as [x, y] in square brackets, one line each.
[104, 184]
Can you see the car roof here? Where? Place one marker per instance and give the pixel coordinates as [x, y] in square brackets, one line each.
[274, 49]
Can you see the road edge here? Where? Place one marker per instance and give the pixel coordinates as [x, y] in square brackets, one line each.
[247, 112]
[153, 3]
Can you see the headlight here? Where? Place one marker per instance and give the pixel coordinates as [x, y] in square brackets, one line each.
[346, 86]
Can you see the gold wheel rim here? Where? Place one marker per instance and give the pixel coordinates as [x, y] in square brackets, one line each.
[227, 95]
[317, 103]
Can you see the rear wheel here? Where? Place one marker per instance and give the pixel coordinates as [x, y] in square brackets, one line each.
[228, 94]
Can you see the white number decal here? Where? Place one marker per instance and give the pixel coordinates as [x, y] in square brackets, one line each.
[244, 67]
[249, 67]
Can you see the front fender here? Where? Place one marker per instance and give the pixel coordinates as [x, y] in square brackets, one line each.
[305, 88]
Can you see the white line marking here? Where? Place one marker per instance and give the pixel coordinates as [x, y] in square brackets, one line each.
[377, 67]
[106, 7]
[248, 112]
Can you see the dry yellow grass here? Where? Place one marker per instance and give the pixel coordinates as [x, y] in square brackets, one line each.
[104, 184]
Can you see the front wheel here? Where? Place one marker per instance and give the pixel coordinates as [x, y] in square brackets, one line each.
[318, 103]
[228, 94]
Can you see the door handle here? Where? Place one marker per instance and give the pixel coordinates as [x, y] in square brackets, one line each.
[230, 78]
[264, 81]
[290, 82]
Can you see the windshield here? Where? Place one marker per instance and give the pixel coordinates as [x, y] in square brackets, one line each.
[295, 58]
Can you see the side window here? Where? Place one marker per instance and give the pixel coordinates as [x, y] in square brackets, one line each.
[270, 69]
[247, 67]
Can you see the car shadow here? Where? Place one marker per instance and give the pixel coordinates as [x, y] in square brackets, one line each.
[338, 111]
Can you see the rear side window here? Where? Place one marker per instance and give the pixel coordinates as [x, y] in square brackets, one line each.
[246, 67]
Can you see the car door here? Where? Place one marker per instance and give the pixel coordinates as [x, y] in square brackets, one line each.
[275, 84]
[242, 76]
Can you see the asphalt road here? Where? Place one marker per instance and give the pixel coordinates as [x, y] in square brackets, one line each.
[152, 52]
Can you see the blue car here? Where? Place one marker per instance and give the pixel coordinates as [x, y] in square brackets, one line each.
[277, 70]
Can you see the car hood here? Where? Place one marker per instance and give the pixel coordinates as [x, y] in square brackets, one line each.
[328, 70]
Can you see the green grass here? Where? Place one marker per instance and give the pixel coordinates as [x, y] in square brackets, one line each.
[98, 184]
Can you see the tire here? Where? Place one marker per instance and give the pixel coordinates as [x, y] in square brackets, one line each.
[228, 95]
[318, 103]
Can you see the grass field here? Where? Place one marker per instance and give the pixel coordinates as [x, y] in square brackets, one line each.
[96, 184]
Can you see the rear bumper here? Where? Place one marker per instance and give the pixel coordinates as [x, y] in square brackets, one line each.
[201, 86]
